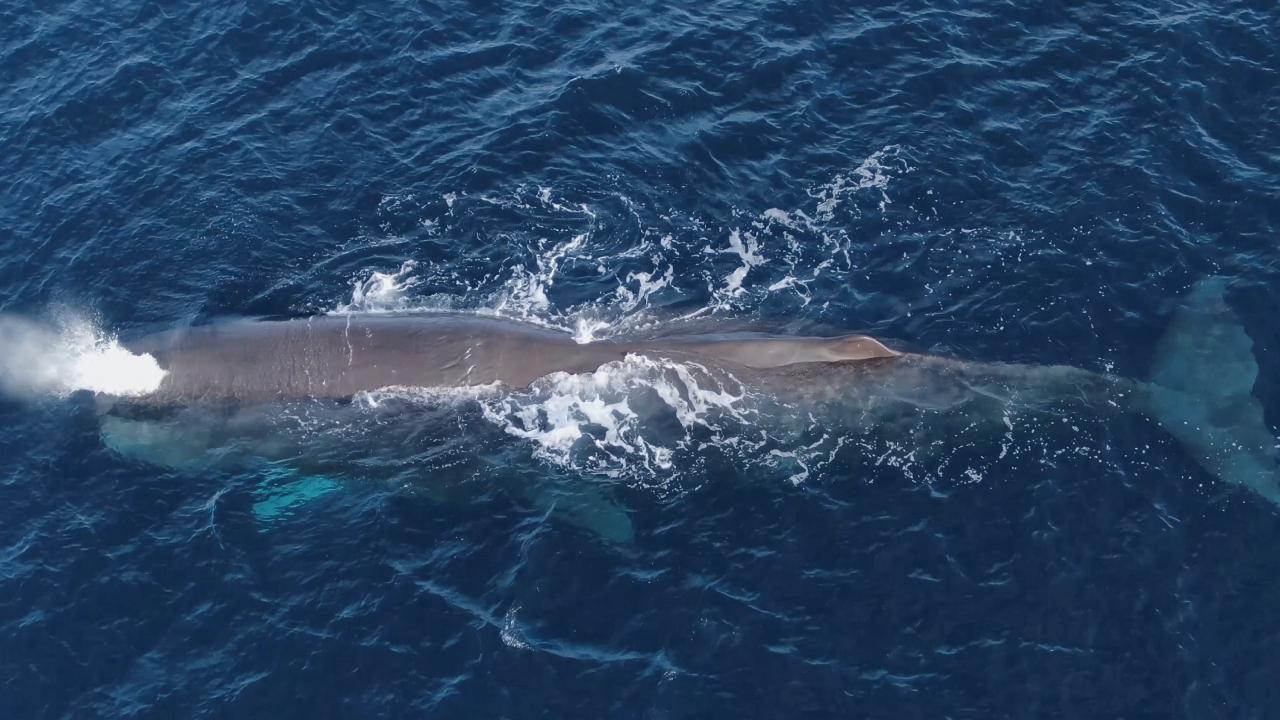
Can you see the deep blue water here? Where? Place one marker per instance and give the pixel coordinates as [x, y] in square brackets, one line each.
[1030, 182]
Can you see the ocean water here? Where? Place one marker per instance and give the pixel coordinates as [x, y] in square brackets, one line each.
[1020, 182]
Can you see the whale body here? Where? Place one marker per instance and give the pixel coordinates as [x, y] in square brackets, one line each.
[1199, 390]
[336, 356]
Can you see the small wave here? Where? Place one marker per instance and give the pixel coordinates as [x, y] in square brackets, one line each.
[72, 355]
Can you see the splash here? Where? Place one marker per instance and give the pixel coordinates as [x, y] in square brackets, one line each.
[648, 259]
[636, 418]
[746, 246]
[633, 418]
[525, 294]
[874, 173]
[70, 355]
[382, 291]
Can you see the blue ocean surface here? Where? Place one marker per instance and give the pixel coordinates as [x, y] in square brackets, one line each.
[1037, 183]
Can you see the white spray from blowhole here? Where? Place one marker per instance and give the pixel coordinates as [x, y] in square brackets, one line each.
[70, 354]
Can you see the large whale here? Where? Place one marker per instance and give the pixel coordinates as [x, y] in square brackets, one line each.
[336, 356]
[1200, 388]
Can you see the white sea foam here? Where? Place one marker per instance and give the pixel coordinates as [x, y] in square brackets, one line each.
[435, 395]
[874, 173]
[587, 330]
[70, 355]
[647, 283]
[782, 217]
[745, 246]
[382, 291]
[511, 632]
[606, 421]
[525, 293]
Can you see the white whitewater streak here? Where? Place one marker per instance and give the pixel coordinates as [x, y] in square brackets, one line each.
[601, 421]
[646, 285]
[382, 292]
[525, 294]
[438, 395]
[873, 173]
[587, 330]
[523, 297]
[745, 246]
[625, 306]
[544, 197]
[38, 359]
[803, 244]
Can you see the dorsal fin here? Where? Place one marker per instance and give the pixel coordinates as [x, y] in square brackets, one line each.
[862, 347]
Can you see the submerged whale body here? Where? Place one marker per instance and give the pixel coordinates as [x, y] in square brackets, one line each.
[1200, 389]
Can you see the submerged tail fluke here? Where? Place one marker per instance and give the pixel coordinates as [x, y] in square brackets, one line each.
[1201, 391]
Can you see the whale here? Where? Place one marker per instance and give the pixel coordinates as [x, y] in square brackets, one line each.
[1200, 388]
[248, 360]
[227, 383]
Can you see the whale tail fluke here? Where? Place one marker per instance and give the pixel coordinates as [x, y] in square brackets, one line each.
[1201, 391]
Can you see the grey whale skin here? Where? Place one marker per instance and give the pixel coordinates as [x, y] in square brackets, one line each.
[336, 356]
[1200, 388]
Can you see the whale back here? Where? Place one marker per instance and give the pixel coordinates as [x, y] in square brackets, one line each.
[341, 356]
[337, 356]
[763, 352]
